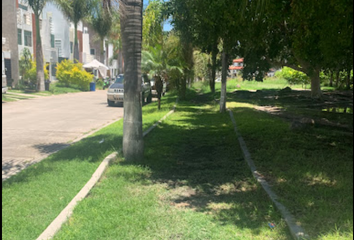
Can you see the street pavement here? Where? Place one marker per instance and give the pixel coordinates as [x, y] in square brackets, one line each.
[33, 129]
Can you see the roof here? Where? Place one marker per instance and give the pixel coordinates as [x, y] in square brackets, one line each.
[239, 60]
[235, 68]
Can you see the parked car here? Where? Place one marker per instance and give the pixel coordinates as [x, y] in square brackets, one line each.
[115, 93]
[153, 88]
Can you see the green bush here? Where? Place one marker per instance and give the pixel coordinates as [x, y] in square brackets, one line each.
[293, 77]
[69, 73]
[81, 78]
[31, 75]
[64, 71]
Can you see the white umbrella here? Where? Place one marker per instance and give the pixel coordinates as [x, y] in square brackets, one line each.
[97, 65]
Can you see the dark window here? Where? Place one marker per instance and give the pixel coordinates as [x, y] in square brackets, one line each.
[71, 47]
[19, 36]
[28, 38]
[23, 7]
[52, 40]
[92, 51]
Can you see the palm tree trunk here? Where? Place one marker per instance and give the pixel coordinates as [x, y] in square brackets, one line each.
[76, 45]
[213, 68]
[39, 57]
[225, 57]
[131, 29]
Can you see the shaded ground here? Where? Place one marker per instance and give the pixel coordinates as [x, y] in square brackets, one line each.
[335, 111]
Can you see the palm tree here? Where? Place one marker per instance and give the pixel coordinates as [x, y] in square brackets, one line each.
[37, 7]
[75, 11]
[101, 22]
[25, 62]
[157, 61]
[131, 28]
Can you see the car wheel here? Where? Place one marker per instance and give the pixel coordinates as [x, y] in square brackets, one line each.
[110, 103]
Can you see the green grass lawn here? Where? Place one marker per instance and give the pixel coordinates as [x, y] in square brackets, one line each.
[311, 169]
[34, 197]
[192, 184]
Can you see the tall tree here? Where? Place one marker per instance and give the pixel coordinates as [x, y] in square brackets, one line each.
[131, 27]
[115, 39]
[101, 22]
[153, 24]
[75, 11]
[304, 35]
[37, 7]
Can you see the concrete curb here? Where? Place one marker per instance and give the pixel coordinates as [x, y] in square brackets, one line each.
[55, 226]
[296, 231]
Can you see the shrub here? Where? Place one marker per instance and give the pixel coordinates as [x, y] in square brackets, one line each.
[81, 78]
[63, 72]
[31, 75]
[69, 73]
[293, 77]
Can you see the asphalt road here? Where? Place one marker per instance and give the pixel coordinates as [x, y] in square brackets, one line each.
[35, 128]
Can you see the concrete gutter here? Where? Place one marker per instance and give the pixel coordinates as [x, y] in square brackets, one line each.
[55, 226]
[296, 230]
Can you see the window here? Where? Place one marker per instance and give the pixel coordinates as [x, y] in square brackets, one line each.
[28, 38]
[71, 47]
[52, 40]
[23, 7]
[92, 51]
[58, 46]
[19, 36]
[27, 19]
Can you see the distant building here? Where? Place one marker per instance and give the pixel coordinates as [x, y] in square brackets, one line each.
[57, 35]
[236, 67]
[10, 41]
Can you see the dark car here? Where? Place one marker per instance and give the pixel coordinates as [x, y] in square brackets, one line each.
[115, 93]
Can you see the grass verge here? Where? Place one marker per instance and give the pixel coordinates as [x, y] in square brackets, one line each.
[310, 168]
[192, 184]
[311, 171]
[34, 197]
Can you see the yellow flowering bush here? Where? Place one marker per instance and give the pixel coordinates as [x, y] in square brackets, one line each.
[63, 71]
[81, 78]
[73, 73]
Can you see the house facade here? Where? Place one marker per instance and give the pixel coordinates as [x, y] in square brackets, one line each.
[10, 41]
[57, 35]
[236, 67]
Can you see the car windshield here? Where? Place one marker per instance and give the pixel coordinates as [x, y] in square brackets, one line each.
[120, 79]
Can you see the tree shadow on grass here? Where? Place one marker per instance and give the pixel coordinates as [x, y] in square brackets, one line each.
[203, 168]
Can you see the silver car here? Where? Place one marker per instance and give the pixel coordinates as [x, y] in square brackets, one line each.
[115, 93]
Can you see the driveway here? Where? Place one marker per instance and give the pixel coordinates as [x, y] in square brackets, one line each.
[35, 128]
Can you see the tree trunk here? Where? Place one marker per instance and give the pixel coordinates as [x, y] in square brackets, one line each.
[331, 79]
[337, 78]
[213, 69]
[348, 79]
[76, 46]
[183, 86]
[39, 57]
[223, 81]
[120, 62]
[131, 29]
[102, 57]
[316, 84]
